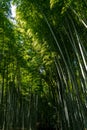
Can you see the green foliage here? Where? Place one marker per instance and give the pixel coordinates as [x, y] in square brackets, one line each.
[43, 64]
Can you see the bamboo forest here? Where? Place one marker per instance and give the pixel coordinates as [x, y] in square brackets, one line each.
[43, 65]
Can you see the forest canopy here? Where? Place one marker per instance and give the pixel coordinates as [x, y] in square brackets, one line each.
[43, 65]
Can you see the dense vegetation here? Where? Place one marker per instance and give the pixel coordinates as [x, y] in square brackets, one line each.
[43, 65]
